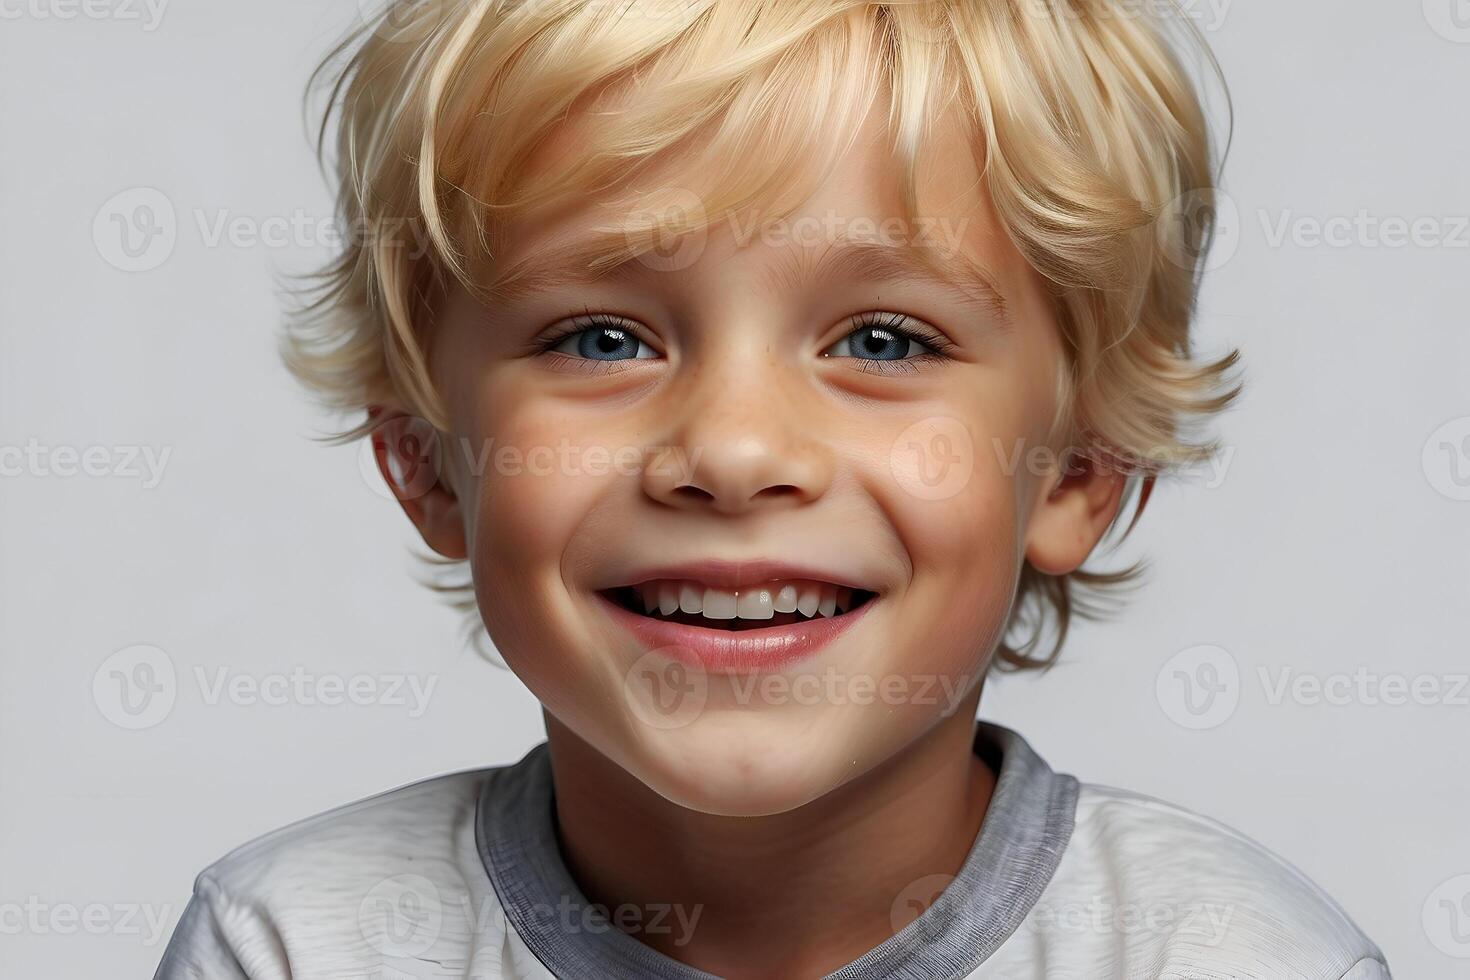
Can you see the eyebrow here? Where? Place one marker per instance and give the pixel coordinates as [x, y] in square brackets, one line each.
[862, 260]
[602, 258]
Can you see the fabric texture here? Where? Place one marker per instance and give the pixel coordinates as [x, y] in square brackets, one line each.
[460, 876]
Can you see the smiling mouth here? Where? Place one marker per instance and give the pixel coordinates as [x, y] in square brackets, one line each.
[764, 606]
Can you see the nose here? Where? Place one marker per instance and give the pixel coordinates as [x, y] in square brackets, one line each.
[740, 446]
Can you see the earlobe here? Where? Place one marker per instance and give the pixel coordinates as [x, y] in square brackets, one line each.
[1069, 522]
[409, 457]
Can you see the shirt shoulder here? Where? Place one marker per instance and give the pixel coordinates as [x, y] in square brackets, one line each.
[1183, 896]
[417, 823]
[373, 885]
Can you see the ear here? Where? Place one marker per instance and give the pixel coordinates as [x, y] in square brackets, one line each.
[408, 453]
[1068, 523]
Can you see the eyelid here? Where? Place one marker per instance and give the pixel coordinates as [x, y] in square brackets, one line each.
[901, 323]
[582, 322]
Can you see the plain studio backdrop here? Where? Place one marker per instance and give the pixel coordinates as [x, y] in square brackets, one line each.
[1295, 665]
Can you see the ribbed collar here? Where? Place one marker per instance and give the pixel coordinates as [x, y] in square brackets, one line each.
[1025, 830]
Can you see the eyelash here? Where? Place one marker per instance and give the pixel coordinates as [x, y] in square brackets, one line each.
[899, 324]
[906, 327]
[581, 324]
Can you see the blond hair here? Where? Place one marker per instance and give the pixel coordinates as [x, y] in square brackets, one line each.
[1093, 139]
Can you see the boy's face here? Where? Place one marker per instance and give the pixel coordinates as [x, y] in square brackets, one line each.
[740, 416]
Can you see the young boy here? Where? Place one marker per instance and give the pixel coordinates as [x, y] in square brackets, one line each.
[773, 364]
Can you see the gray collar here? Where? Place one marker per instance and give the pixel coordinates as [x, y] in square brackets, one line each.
[1026, 828]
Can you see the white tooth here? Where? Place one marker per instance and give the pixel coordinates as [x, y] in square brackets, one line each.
[668, 598]
[719, 604]
[844, 598]
[810, 598]
[828, 605]
[690, 598]
[754, 604]
[786, 599]
[649, 594]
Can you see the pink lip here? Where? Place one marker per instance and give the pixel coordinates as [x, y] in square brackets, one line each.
[739, 574]
[730, 651]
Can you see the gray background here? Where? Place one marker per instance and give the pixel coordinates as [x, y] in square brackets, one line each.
[1337, 539]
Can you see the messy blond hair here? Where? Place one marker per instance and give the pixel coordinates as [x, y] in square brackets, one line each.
[1092, 136]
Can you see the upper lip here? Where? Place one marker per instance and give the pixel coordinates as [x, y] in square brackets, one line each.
[735, 575]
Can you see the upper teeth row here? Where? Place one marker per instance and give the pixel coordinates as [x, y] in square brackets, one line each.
[756, 602]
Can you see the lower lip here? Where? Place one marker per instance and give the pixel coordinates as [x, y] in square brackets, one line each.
[719, 651]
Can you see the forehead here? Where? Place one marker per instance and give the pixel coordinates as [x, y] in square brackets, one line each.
[849, 219]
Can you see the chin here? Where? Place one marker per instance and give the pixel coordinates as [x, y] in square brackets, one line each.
[750, 768]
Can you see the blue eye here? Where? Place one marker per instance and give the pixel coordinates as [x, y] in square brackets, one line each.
[604, 342]
[881, 341]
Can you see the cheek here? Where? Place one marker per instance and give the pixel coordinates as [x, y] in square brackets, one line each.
[967, 561]
[954, 491]
[538, 475]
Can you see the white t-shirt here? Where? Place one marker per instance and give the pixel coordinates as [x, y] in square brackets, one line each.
[460, 876]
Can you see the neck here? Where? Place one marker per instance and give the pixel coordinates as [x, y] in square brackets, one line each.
[792, 894]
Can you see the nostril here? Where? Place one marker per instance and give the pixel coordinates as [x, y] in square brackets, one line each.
[780, 490]
[697, 494]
